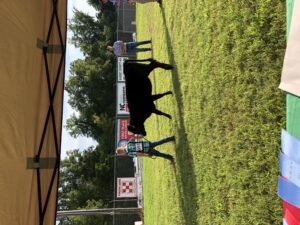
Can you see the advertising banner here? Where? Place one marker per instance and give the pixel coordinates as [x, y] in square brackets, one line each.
[122, 132]
[120, 74]
[122, 105]
[126, 187]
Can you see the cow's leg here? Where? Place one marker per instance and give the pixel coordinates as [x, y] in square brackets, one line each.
[155, 64]
[156, 111]
[158, 96]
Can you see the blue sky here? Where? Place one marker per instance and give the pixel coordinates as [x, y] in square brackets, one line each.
[69, 143]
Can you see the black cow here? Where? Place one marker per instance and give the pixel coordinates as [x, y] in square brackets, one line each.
[138, 92]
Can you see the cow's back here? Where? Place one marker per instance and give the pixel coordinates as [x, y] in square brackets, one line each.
[138, 84]
[138, 89]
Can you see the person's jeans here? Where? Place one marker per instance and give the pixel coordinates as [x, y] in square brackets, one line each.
[154, 152]
[145, 1]
[131, 47]
[161, 141]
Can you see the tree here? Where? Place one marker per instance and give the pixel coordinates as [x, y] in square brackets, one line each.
[85, 182]
[92, 95]
[91, 84]
[86, 178]
[88, 219]
[90, 34]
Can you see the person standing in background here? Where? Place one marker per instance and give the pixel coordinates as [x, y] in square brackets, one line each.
[132, 2]
[120, 48]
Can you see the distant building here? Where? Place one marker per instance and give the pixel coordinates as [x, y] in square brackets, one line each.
[126, 25]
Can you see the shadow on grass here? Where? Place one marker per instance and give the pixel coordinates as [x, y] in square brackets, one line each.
[184, 173]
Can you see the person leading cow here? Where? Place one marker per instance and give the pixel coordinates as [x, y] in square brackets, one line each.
[136, 147]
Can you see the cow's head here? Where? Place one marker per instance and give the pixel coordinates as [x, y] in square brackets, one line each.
[137, 129]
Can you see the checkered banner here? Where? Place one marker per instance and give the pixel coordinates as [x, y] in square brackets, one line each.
[126, 187]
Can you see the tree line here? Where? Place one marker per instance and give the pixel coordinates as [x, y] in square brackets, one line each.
[86, 177]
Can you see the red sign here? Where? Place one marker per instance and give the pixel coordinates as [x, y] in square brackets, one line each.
[123, 129]
[126, 187]
[122, 132]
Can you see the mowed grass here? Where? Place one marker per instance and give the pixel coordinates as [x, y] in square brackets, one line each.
[227, 111]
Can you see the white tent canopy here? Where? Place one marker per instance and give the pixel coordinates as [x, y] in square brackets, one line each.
[32, 47]
[290, 78]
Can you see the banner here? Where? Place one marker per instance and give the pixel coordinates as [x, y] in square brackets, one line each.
[289, 183]
[289, 192]
[290, 169]
[120, 73]
[122, 132]
[290, 146]
[126, 187]
[122, 105]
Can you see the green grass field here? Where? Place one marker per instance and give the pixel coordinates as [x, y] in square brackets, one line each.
[227, 111]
